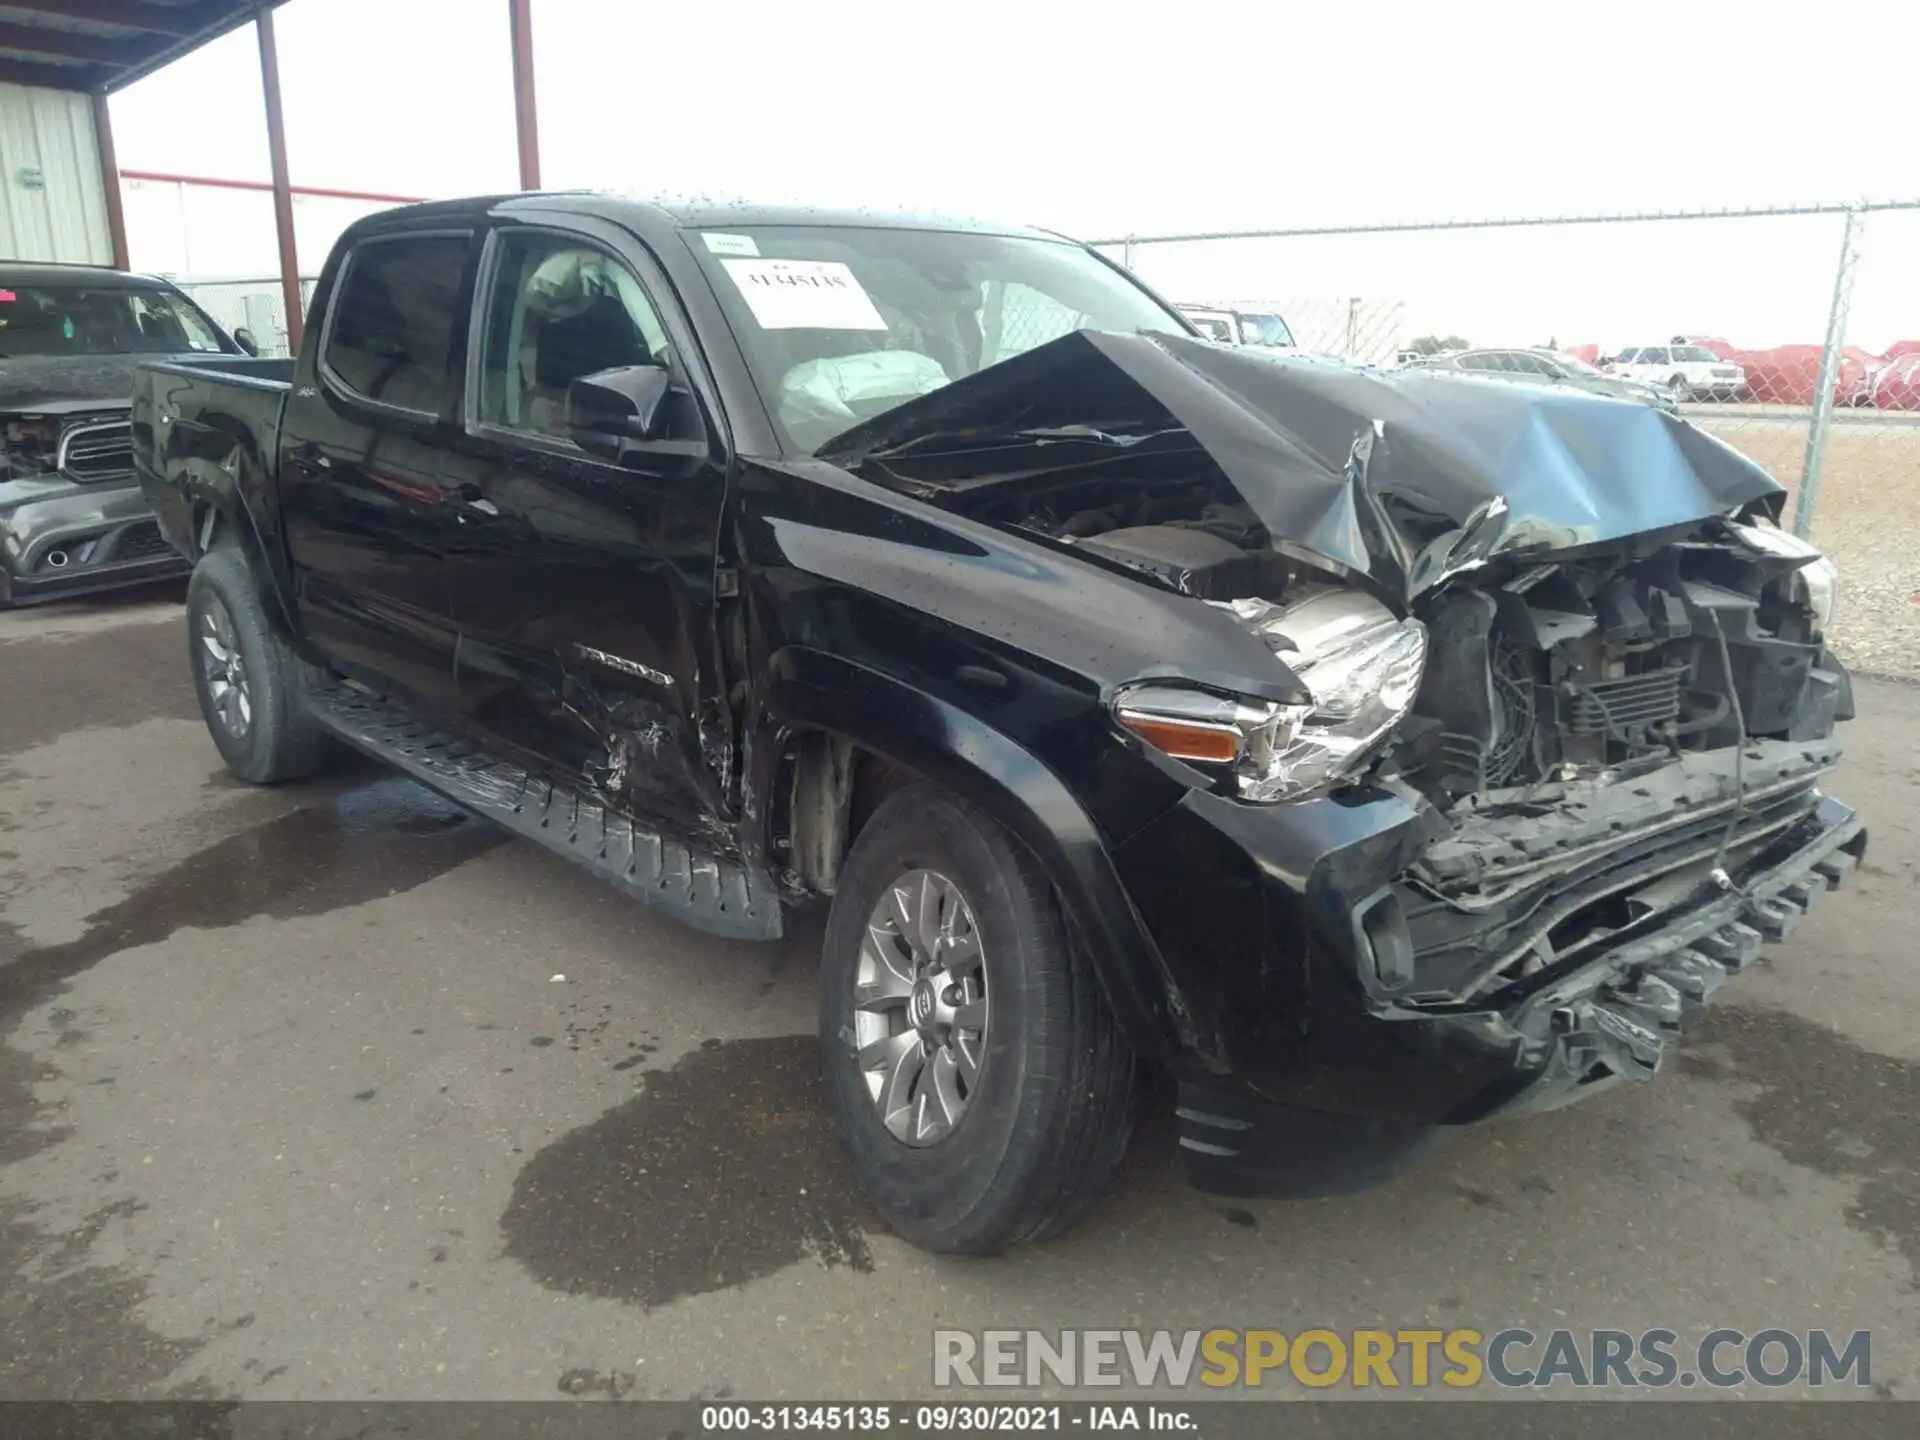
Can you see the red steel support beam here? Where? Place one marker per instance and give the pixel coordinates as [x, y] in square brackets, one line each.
[282, 186]
[526, 117]
[110, 181]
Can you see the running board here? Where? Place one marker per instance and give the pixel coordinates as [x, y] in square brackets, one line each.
[691, 885]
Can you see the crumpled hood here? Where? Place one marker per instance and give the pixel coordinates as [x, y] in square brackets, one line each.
[48, 384]
[1377, 472]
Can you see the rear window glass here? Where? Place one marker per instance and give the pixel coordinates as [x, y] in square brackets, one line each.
[391, 333]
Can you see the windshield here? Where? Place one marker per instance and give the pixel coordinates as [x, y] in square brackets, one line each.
[51, 320]
[1693, 352]
[841, 325]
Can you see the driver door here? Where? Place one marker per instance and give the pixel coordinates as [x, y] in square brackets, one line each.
[583, 587]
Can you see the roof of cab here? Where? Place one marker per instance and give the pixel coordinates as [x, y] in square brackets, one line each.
[651, 217]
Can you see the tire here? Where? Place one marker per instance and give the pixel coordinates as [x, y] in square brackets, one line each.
[263, 684]
[1680, 388]
[1049, 1114]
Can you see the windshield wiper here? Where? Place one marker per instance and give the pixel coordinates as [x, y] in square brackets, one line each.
[1042, 434]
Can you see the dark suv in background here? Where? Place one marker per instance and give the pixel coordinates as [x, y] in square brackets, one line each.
[72, 519]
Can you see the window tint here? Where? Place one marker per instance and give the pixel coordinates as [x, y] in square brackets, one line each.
[1627, 357]
[1526, 364]
[393, 321]
[1654, 355]
[558, 309]
[1480, 360]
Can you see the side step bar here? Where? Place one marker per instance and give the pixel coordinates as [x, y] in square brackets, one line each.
[718, 896]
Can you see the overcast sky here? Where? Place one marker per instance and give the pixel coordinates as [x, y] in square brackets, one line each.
[1106, 119]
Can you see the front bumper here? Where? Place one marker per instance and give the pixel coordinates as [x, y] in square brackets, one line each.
[1312, 1075]
[60, 540]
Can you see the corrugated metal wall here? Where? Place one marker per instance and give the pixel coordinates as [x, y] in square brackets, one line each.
[64, 217]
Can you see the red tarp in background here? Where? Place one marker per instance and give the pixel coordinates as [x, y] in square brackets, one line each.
[1897, 387]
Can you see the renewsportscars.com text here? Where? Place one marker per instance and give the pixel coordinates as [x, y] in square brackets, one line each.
[1512, 1358]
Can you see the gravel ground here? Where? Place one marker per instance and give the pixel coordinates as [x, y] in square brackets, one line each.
[1865, 518]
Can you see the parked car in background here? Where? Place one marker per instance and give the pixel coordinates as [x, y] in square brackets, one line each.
[1234, 326]
[1351, 748]
[72, 518]
[1548, 367]
[1265, 328]
[1689, 372]
[1220, 325]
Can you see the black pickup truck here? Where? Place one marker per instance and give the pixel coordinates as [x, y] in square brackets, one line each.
[1365, 754]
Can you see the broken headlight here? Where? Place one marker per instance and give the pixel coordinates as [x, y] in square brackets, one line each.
[1360, 664]
[1821, 575]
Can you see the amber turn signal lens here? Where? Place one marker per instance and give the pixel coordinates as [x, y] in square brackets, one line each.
[1213, 744]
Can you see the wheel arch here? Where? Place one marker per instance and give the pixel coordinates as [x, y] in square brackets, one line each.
[834, 738]
[216, 517]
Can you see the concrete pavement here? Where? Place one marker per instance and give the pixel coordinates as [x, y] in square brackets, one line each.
[330, 1092]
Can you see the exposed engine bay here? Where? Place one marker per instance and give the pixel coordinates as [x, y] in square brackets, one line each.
[1608, 663]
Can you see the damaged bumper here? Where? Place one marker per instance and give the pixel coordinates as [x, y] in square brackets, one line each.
[1617, 1018]
[1557, 966]
[59, 540]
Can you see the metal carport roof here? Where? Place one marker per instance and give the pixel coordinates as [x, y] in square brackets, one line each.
[97, 46]
[100, 45]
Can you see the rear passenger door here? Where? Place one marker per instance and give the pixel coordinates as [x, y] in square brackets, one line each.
[364, 494]
[584, 587]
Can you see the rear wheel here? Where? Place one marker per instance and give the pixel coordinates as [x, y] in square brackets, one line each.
[250, 682]
[975, 1071]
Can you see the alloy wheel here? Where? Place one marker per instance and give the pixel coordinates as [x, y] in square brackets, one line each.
[920, 1007]
[223, 671]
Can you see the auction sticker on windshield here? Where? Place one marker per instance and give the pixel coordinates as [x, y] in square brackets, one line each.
[804, 295]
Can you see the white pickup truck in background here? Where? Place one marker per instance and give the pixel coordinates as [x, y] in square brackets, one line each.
[1691, 372]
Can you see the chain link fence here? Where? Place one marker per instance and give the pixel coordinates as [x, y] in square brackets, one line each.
[249, 304]
[1791, 333]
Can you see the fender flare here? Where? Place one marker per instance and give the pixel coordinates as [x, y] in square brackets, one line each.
[231, 495]
[812, 690]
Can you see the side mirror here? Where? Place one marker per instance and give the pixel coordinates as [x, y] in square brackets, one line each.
[610, 407]
[243, 337]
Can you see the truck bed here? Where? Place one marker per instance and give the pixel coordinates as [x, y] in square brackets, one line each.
[200, 424]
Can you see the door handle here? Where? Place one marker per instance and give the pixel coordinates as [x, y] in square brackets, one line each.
[470, 498]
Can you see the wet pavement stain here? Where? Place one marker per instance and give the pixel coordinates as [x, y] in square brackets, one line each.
[375, 840]
[723, 1169]
[108, 679]
[71, 1330]
[1826, 1104]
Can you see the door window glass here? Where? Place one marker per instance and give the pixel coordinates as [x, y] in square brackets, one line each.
[393, 322]
[558, 309]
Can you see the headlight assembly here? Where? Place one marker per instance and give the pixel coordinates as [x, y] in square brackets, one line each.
[1360, 664]
[1821, 575]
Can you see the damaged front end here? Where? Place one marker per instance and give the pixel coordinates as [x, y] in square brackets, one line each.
[1562, 705]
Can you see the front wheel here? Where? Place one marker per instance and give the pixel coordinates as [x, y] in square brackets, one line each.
[249, 681]
[1680, 388]
[975, 1071]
